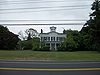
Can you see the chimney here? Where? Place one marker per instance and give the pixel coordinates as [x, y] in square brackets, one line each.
[41, 31]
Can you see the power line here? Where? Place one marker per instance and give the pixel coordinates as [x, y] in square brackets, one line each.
[27, 2]
[23, 11]
[43, 24]
[43, 20]
[42, 1]
[74, 6]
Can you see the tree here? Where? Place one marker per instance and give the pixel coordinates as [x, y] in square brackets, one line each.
[25, 45]
[93, 26]
[36, 43]
[29, 37]
[31, 33]
[28, 34]
[22, 35]
[8, 40]
[71, 41]
[30, 40]
[32, 44]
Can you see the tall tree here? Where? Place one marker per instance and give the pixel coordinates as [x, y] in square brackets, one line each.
[8, 40]
[92, 27]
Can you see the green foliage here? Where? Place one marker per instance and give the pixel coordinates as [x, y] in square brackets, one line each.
[71, 45]
[92, 28]
[44, 48]
[25, 45]
[3, 29]
[8, 40]
[84, 42]
[35, 43]
[32, 44]
[71, 41]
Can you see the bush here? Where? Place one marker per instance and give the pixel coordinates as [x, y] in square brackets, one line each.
[25, 45]
[45, 48]
[60, 48]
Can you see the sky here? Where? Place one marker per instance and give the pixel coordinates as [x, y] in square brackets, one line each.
[44, 12]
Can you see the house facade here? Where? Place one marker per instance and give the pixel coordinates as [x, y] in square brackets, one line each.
[52, 39]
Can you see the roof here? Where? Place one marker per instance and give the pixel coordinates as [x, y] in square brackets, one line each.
[53, 32]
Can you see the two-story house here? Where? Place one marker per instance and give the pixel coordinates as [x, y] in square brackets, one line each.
[52, 39]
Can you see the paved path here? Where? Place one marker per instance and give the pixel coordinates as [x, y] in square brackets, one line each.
[49, 68]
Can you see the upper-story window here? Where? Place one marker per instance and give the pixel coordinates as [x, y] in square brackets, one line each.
[52, 38]
[57, 39]
[45, 38]
[48, 38]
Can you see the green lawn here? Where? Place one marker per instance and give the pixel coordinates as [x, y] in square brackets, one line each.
[37, 55]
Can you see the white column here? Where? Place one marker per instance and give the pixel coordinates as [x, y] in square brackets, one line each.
[50, 38]
[55, 38]
[47, 38]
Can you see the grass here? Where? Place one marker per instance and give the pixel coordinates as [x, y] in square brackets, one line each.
[37, 55]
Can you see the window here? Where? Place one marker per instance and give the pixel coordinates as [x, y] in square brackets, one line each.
[57, 38]
[51, 38]
[45, 38]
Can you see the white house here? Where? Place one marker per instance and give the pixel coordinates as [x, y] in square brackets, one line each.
[52, 39]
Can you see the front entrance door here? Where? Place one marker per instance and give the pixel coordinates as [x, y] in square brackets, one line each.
[52, 46]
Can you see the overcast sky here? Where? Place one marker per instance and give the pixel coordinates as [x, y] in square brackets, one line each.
[37, 11]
